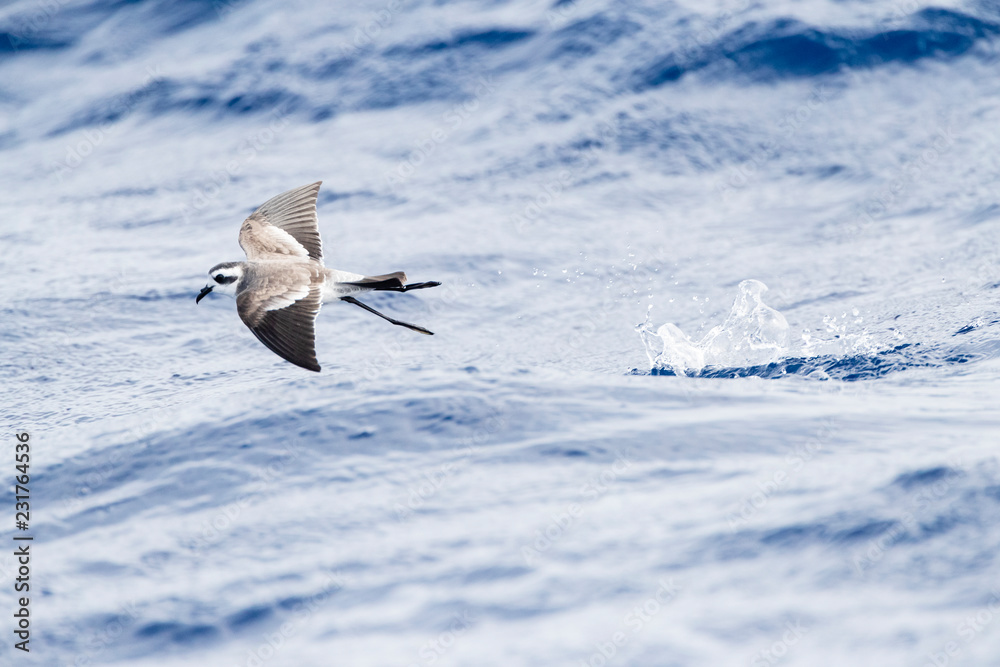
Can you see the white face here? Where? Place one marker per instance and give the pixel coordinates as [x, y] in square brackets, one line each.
[225, 280]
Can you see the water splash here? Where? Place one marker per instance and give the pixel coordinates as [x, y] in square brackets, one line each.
[755, 341]
[754, 334]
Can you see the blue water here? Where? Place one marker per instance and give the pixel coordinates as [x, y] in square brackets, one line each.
[530, 486]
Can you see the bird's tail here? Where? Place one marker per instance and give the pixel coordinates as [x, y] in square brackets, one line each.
[393, 282]
[390, 281]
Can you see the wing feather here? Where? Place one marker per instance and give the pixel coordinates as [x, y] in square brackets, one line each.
[284, 225]
[287, 330]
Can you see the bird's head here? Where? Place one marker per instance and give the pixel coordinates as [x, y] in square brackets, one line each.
[225, 278]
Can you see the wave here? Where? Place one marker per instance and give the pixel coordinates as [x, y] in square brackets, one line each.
[847, 369]
[754, 342]
[341, 73]
[787, 48]
[55, 25]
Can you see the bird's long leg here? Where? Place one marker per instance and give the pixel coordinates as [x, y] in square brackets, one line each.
[351, 299]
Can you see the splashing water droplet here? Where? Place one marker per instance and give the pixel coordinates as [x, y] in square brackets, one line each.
[753, 334]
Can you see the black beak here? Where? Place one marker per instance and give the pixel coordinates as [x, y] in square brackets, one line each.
[204, 290]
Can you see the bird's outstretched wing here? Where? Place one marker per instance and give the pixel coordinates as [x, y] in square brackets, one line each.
[283, 318]
[284, 226]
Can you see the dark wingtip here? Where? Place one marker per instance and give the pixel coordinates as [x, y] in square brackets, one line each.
[309, 365]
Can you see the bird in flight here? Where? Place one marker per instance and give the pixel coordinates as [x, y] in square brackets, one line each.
[283, 283]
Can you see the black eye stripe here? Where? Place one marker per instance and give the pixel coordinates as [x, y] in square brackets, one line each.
[224, 280]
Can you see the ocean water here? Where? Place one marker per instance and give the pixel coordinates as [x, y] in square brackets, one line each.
[717, 351]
